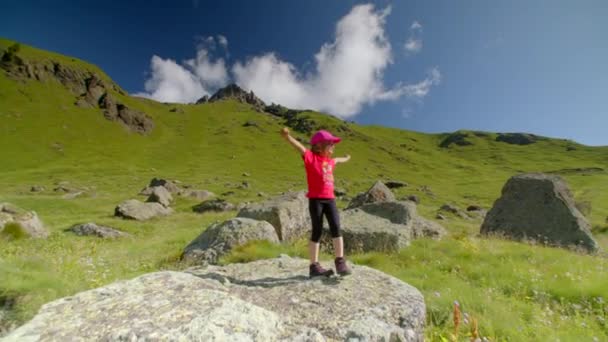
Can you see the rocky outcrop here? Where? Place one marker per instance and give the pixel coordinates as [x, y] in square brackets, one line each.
[92, 229]
[288, 214]
[28, 222]
[456, 138]
[519, 138]
[235, 92]
[132, 119]
[268, 300]
[539, 207]
[88, 87]
[136, 210]
[220, 238]
[377, 193]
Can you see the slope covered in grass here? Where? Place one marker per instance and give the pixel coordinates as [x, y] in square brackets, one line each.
[516, 291]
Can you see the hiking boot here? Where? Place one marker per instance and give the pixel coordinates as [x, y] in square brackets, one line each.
[316, 270]
[341, 267]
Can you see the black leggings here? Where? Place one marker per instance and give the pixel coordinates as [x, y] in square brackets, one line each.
[319, 207]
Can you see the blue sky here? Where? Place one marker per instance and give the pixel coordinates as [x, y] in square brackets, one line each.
[430, 66]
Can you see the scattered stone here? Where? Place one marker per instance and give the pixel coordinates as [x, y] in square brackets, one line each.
[228, 193]
[539, 207]
[441, 217]
[244, 185]
[171, 186]
[161, 195]
[28, 221]
[426, 190]
[220, 238]
[454, 210]
[216, 205]
[339, 192]
[92, 229]
[287, 213]
[200, 195]
[393, 184]
[140, 211]
[37, 188]
[238, 302]
[474, 207]
[246, 174]
[413, 198]
[250, 123]
[377, 193]
[261, 194]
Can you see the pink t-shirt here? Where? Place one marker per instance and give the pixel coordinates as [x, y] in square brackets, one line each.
[319, 174]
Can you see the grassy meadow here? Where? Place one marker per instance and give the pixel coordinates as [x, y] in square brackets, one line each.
[514, 291]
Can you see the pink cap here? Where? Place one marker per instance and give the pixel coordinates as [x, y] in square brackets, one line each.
[322, 137]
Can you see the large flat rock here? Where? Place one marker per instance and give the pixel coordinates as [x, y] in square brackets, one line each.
[268, 300]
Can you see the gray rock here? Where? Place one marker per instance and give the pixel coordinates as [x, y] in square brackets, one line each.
[405, 213]
[200, 195]
[239, 302]
[29, 221]
[422, 227]
[215, 205]
[37, 188]
[539, 207]
[287, 213]
[365, 232]
[72, 195]
[394, 184]
[377, 193]
[220, 238]
[413, 198]
[171, 186]
[160, 195]
[91, 229]
[441, 217]
[452, 209]
[136, 210]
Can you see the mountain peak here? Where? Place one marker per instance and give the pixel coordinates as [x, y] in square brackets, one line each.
[233, 91]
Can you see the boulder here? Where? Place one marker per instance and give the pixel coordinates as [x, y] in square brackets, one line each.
[169, 185]
[454, 210]
[92, 229]
[539, 207]
[287, 213]
[220, 238]
[364, 232]
[377, 193]
[267, 300]
[405, 213]
[161, 195]
[29, 222]
[216, 205]
[137, 210]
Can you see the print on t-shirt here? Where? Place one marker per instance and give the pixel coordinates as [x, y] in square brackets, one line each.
[328, 177]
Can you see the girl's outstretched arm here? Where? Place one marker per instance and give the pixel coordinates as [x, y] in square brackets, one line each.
[291, 140]
[342, 159]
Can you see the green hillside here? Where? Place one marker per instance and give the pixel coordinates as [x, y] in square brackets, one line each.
[515, 291]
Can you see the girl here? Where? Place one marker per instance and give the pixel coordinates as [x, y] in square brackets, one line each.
[321, 199]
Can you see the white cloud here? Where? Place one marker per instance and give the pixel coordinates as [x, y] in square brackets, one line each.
[188, 82]
[348, 75]
[348, 71]
[222, 41]
[170, 82]
[413, 44]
